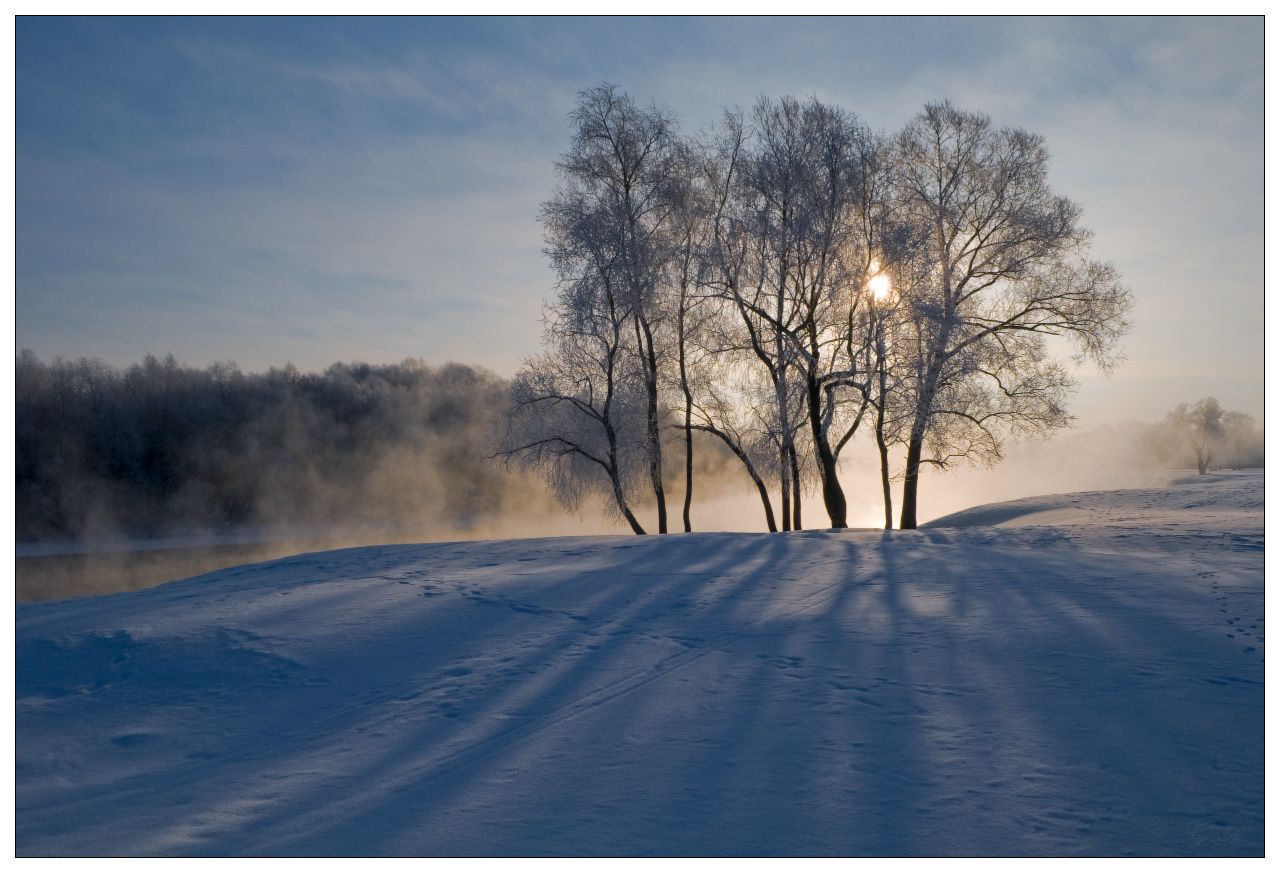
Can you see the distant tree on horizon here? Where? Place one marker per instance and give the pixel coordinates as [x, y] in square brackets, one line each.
[1241, 439]
[1228, 437]
[1200, 427]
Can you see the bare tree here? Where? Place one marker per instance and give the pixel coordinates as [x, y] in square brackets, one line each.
[578, 409]
[1006, 268]
[733, 411]
[795, 246]
[1241, 440]
[623, 165]
[586, 408]
[885, 390]
[1200, 427]
[692, 314]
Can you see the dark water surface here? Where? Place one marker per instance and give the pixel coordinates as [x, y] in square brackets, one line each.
[56, 571]
[55, 577]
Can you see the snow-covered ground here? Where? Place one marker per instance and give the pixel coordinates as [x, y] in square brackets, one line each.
[1069, 675]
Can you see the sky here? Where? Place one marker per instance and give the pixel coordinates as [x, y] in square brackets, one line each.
[316, 190]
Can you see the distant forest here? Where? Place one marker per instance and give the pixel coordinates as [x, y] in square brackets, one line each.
[162, 447]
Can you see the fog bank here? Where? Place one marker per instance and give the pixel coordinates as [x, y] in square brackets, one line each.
[131, 478]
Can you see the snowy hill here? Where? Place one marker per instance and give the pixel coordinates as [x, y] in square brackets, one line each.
[1078, 675]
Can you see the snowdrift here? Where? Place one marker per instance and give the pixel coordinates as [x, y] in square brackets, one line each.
[1071, 675]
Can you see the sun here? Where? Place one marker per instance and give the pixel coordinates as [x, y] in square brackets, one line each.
[879, 286]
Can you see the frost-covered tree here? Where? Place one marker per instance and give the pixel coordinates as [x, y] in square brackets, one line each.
[797, 240]
[623, 169]
[579, 410]
[1200, 427]
[1005, 266]
[885, 395]
[692, 316]
[1241, 440]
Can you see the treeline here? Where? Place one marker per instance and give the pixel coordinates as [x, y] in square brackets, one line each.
[161, 447]
[789, 280]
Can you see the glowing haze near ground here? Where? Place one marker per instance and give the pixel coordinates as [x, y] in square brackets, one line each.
[321, 190]
[1072, 675]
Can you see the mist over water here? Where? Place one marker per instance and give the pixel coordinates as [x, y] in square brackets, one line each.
[1131, 455]
[53, 571]
[129, 479]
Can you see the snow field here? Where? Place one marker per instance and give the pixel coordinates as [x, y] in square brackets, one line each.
[1071, 675]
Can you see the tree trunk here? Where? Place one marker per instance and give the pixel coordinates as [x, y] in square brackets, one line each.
[881, 445]
[631, 520]
[910, 481]
[884, 472]
[795, 488]
[654, 432]
[764, 498]
[688, 422]
[751, 471]
[786, 493]
[688, 458]
[612, 467]
[832, 493]
[622, 504]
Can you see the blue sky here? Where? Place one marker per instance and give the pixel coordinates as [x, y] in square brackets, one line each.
[315, 190]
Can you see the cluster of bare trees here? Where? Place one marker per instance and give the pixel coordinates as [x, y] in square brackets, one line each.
[788, 278]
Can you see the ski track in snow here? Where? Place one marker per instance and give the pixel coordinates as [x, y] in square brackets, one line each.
[1071, 675]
